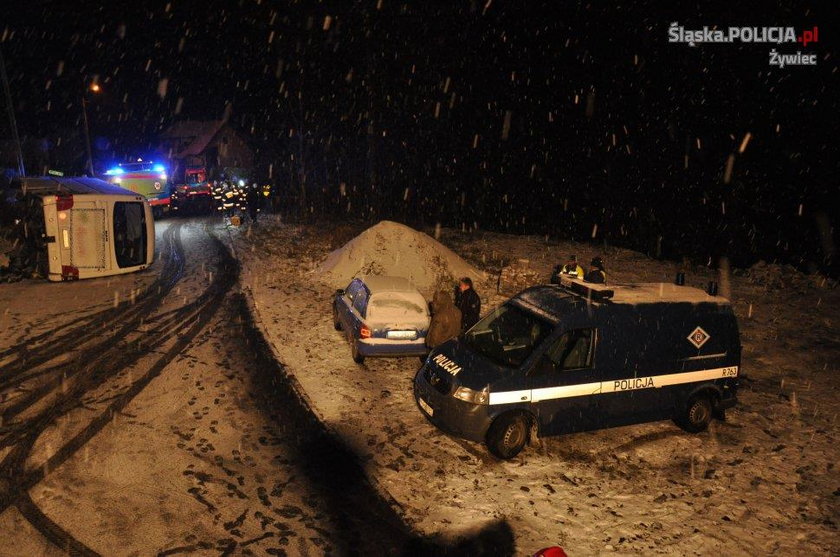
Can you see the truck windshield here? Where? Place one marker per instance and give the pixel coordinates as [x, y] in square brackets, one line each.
[508, 335]
[129, 234]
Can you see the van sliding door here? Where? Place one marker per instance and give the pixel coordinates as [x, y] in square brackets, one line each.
[564, 385]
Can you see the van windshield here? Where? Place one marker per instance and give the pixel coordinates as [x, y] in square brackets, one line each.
[129, 234]
[508, 335]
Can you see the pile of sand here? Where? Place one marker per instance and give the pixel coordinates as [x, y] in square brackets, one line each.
[390, 248]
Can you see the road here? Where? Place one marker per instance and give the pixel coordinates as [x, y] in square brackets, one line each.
[143, 415]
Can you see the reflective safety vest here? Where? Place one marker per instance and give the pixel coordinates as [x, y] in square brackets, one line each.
[573, 270]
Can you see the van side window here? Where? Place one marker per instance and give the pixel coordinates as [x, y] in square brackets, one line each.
[573, 350]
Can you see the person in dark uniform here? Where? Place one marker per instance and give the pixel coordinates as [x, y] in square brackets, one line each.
[596, 272]
[468, 302]
[253, 200]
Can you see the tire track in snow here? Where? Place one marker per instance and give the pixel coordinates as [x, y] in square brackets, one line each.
[16, 480]
[66, 338]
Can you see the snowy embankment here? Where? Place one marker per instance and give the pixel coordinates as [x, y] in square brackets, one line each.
[764, 481]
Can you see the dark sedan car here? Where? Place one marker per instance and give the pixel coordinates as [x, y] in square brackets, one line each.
[382, 316]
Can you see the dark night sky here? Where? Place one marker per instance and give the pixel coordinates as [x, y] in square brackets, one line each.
[407, 104]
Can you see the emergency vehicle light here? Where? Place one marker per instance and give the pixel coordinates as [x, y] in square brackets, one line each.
[115, 170]
[593, 294]
[158, 168]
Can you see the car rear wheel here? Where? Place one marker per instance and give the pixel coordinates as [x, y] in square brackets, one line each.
[357, 357]
[697, 414]
[507, 435]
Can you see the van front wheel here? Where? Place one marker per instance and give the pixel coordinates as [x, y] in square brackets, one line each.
[697, 414]
[507, 435]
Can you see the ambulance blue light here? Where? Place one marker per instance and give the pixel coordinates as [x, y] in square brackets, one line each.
[115, 170]
[158, 168]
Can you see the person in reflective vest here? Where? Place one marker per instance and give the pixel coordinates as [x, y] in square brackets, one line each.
[570, 269]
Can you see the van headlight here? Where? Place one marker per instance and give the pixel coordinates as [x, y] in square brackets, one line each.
[469, 395]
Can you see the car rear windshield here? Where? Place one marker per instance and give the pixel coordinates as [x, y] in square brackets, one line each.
[396, 305]
[129, 234]
[508, 335]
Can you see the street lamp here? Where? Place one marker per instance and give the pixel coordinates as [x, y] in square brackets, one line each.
[93, 88]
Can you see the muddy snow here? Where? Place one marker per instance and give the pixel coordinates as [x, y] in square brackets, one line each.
[761, 482]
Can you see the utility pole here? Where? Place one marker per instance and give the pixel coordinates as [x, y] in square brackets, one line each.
[11, 112]
[87, 136]
[94, 87]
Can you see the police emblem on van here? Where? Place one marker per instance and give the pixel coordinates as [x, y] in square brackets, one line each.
[698, 337]
[447, 364]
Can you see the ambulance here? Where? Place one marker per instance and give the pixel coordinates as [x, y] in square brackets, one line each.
[147, 178]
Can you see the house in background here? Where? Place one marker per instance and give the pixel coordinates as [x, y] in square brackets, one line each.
[213, 145]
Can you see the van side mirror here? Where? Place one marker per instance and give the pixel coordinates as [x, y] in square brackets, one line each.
[339, 292]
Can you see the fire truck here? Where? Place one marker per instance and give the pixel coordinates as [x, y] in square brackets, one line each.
[195, 192]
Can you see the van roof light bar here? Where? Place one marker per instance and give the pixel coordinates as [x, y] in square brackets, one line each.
[595, 294]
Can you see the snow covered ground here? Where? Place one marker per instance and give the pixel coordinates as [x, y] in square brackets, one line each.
[206, 455]
[145, 424]
[763, 482]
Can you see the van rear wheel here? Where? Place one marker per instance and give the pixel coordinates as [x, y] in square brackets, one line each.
[507, 435]
[697, 414]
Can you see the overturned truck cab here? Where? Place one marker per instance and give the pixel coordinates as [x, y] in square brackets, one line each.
[576, 356]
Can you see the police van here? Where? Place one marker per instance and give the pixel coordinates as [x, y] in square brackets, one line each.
[76, 228]
[578, 356]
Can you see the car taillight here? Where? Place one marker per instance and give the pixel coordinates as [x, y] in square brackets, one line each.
[365, 332]
[63, 202]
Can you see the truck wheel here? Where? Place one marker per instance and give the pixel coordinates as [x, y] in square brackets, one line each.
[697, 414]
[354, 351]
[507, 435]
